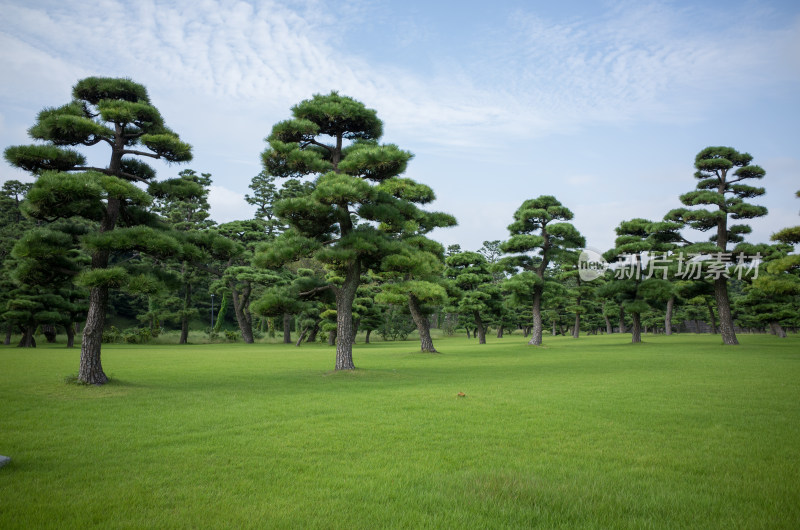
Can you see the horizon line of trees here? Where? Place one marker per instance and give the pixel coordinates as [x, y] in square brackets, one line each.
[340, 242]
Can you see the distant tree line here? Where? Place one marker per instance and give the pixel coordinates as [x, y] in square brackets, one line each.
[340, 244]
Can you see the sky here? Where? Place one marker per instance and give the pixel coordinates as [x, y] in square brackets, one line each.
[603, 105]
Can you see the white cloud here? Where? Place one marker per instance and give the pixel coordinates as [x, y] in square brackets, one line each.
[227, 205]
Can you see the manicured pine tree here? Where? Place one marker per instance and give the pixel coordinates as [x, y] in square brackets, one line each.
[480, 298]
[359, 208]
[540, 235]
[118, 114]
[631, 289]
[721, 196]
[183, 203]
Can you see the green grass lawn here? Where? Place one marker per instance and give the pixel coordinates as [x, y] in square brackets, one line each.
[678, 432]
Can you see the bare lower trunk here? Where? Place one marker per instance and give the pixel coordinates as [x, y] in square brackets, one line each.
[49, 332]
[187, 302]
[312, 336]
[500, 331]
[27, 340]
[668, 316]
[609, 327]
[724, 310]
[287, 328]
[480, 331]
[777, 330]
[91, 369]
[621, 319]
[561, 329]
[576, 331]
[423, 326]
[636, 332]
[242, 310]
[366, 337]
[469, 336]
[70, 334]
[332, 338]
[536, 337]
[303, 335]
[344, 317]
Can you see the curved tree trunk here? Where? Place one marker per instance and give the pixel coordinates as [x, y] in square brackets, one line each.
[303, 335]
[668, 316]
[91, 369]
[480, 331]
[636, 332]
[423, 325]
[242, 310]
[312, 336]
[536, 337]
[345, 295]
[287, 328]
[724, 310]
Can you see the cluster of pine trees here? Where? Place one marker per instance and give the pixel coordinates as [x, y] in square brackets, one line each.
[340, 242]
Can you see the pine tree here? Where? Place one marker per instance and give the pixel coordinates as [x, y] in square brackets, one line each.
[722, 195]
[116, 113]
[359, 207]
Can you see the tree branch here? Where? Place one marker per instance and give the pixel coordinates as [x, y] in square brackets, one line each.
[316, 290]
[140, 153]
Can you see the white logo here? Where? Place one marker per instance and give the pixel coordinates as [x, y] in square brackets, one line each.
[591, 264]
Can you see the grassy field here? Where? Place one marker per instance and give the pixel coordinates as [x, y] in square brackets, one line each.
[678, 432]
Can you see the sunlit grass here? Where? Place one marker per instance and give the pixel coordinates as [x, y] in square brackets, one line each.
[676, 432]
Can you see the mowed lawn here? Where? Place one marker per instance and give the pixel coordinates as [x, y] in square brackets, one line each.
[677, 432]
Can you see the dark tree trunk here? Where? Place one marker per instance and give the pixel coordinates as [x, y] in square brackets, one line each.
[712, 317]
[302, 337]
[636, 332]
[621, 319]
[312, 336]
[91, 369]
[561, 328]
[423, 326]
[576, 331]
[526, 331]
[344, 317]
[668, 316]
[500, 332]
[70, 334]
[27, 340]
[777, 329]
[724, 309]
[469, 336]
[187, 302]
[480, 331]
[366, 337]
[554, 330]
[49, 331]
[9, 330]
[287, 328]
[536, 337]
[332, 338]
[241, 307]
